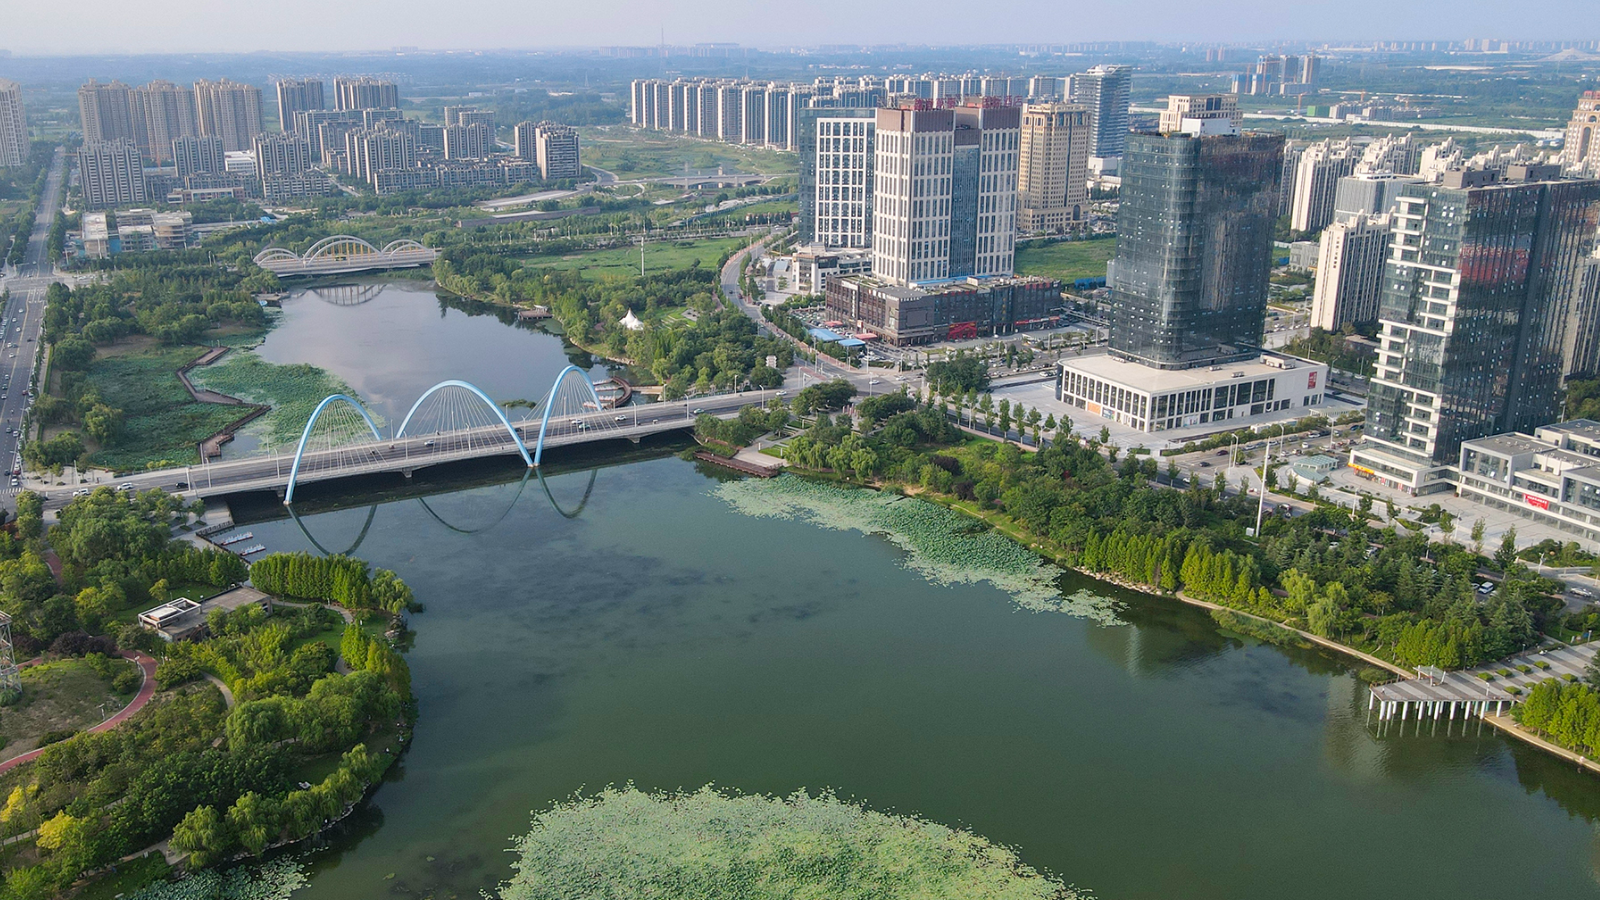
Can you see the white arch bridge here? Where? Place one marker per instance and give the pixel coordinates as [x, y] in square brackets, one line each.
[342, 254]
[451, 422]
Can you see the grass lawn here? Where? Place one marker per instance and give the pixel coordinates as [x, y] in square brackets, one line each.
[657, 257]
[1068, 260]
[56, 696]
[162, 423]
[634, 154]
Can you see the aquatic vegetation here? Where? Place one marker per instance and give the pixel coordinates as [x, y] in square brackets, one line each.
[275, 880]
[942, 545]
[711, 845]
[292, 391]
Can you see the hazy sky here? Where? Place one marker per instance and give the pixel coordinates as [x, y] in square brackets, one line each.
[144, 26]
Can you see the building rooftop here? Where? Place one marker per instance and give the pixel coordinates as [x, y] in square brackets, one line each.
[1587, 428]
[1509, 444]
[1161, 381]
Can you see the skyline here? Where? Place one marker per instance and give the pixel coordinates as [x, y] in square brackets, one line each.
[296, 26]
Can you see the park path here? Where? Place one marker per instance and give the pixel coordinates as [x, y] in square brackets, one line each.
[147, 690]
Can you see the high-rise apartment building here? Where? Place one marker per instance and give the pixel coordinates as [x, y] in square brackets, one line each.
[1350, 265]
[309, 125]
[1105, 90]
[370, 151]
[13, 125]
[1477, 299]
[198, 155]
[1194, 238]
[836, 149]
[730, 113]
[1316, 183]
[111, 173]
[281, 154]
[524, 141]
[296, 96]
[1052, 173]
[169, 113]
[1202, 114]
[106, 111]
[1581, 153]
[467, 141]
[556, 151]
[1368, 193]
[365, 92]
[944, 193]
[230, 111]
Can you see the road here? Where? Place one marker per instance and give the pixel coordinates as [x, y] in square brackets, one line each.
[23, 323]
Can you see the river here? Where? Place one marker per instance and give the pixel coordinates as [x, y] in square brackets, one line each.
[658, 635]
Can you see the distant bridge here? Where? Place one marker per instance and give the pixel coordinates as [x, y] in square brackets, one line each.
[342, 254]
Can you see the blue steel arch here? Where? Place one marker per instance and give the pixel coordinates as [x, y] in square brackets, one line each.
[549, 403]
[498, 412]
[294, 472]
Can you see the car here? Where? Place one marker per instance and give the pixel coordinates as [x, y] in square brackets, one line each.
[699, 412]
[81, 492]
[1204, 464]
[16, 482]
[1486, 588]
[1220, 453]
[622, 418]
[427, 443]
[181, 486]
[781, 394]
[125, 486]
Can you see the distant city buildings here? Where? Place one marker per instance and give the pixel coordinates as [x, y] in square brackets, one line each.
[106, 111]
[13, 125]
[1582, 149]
[168, 113]
[1477, 300]
[284, 166]
[229, 110]
[1202, 114]
[297, 96]
[194, 155]
[365, 92]
[1105, 90]
[110, 174]
[1279, 75]
[1052, 172]
[556, 151]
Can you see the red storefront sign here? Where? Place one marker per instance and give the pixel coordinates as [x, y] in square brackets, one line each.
[1536, 502]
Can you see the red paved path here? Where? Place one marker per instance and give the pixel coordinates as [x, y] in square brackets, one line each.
[146, 690]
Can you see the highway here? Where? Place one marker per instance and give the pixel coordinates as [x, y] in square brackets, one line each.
[23, 323]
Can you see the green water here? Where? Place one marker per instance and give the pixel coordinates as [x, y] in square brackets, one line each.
[661, 637]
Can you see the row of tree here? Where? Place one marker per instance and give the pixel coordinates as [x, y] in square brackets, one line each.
[343, 580]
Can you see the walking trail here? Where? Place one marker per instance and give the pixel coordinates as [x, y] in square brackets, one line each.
[147, 689]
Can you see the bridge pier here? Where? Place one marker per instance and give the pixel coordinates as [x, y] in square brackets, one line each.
[407, 473]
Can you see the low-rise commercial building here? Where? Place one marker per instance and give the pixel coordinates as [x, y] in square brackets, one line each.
[1551, 476]
[1150, 399]
[955, 310]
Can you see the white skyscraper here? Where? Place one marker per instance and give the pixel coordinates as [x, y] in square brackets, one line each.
[13, 125]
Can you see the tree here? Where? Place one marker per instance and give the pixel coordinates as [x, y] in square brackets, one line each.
[203, 834]
[1507, 553]
[1478, 528]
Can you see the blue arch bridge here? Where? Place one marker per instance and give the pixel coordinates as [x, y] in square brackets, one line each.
[451, 422]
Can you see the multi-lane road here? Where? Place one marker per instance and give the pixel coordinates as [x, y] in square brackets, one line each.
[23, 318]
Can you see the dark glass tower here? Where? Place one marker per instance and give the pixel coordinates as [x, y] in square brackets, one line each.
[1194, 244]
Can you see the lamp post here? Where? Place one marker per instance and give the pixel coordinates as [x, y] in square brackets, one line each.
[1266, 462]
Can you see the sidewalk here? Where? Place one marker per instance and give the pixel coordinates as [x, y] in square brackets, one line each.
[147, 690]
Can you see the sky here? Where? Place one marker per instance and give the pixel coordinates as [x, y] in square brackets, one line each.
[32, 27]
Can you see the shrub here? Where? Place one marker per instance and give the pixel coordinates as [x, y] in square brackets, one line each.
[79, 643]
[174, 671]
[1524, 669]
[1542, 665]
[1486, 676]
[56, 736]
[126, 682]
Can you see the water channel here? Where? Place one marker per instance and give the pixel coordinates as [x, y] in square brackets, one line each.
[657, 635]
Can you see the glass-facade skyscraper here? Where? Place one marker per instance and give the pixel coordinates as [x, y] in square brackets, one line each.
[1477, 299]
[1194, 240]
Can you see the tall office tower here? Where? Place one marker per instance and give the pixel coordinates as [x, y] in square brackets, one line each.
[1189, 282]
[1581, 154]
[836, 149]
[370, 151]
[107, 112]
[557, 151]
[467, 141]
[1582, 353]
[169, 114]
[296, 96]
[1368, 193]
[111, 173]
[229, 110]
[1202, 114]
[1476, 299]
[944, 193]
[365, 92]
[1052, 175]
[524, 142]
[1316, 183]
[197, 155]
[281, 154]
[1350, 264]
[1105, 90]
[13, 125]
[730, 112]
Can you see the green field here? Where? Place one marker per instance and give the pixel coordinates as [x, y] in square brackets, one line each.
[658, 258]
[644, 154]
[57, 696]
[1068, 260]
[162, 424]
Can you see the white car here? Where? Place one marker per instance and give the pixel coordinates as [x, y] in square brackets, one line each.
[125, 486]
